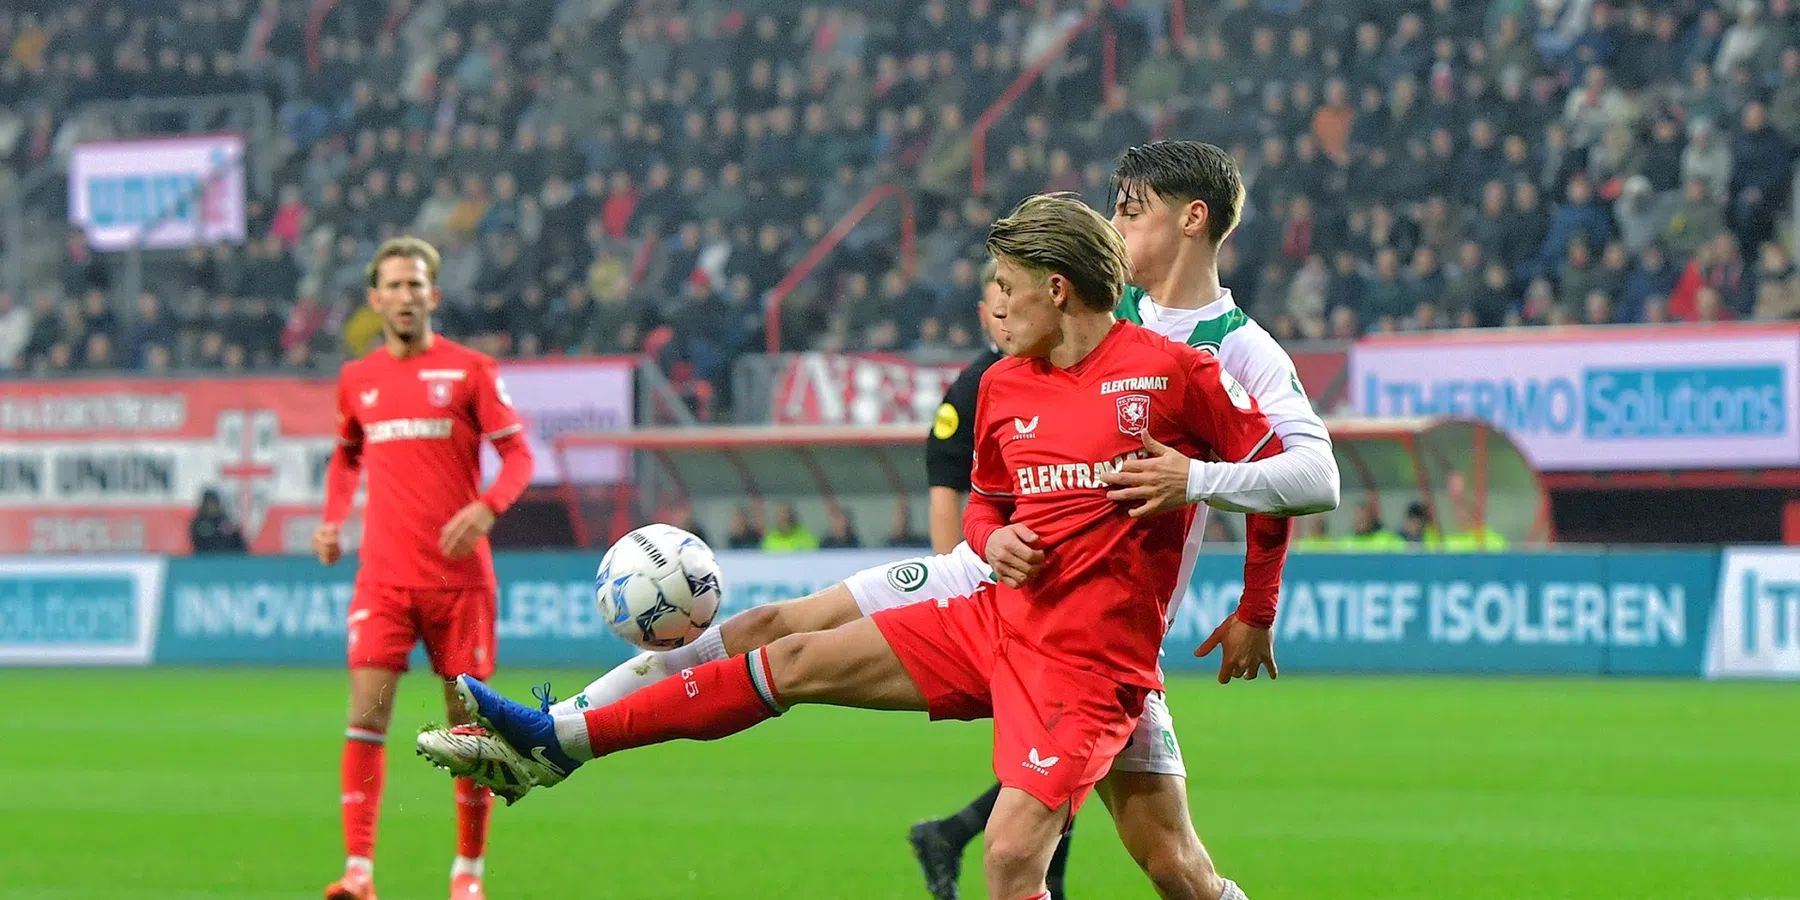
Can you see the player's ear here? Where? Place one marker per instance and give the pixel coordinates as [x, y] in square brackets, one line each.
[1059, 291]
[1194, 218]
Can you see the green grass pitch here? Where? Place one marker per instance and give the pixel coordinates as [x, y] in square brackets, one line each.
[222, 783]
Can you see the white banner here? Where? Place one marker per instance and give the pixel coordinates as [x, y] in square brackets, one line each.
[186, 191]
[1756, 624]
[1600, 399]
[79, 611]
[574, 396]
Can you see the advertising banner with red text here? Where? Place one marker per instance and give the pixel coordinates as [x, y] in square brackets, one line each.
[859, 389]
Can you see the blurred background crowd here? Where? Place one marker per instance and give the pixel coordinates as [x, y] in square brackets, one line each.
[607, 176]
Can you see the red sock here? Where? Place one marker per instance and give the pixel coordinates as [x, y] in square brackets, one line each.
[704, 703]
[473, 803]
[361, 774]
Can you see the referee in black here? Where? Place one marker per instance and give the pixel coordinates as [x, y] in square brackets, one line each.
[949, 455]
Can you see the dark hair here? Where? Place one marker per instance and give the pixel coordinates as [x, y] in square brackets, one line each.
[1182, 172]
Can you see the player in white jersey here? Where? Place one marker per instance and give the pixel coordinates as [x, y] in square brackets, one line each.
[1177, 202]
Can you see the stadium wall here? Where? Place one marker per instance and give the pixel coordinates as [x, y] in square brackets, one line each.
[1712, 613]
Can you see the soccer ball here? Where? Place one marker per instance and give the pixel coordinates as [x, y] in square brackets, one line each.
[658, 587]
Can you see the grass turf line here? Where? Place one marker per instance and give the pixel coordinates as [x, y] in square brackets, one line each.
[215, 783]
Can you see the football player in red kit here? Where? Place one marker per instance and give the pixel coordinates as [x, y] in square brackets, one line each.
[1062, 651]
[413, 414]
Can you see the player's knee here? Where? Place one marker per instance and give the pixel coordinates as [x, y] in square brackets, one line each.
[371, 714]
[758, 626]
[801, 668]
[1010, 856]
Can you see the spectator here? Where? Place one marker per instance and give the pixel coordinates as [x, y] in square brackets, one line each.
[840, 532]
[744, 535]
[15, 332]
[212, 529]
[902, 532]
[1777, 286]
[788, 535]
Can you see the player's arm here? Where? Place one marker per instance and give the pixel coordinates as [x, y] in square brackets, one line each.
[949, 454]
[987, 524]
[500, 424]
[1303, 478]
[341, 476]
[1220, 412]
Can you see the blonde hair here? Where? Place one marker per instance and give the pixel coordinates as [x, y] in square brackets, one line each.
[1058, 234]
[407, 248]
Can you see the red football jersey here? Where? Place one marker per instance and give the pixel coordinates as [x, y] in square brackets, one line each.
[1043, 438]
[419, 423]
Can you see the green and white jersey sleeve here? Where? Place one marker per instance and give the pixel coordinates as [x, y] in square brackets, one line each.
[1244, 348]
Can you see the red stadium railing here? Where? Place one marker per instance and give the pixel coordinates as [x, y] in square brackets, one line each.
[1021, 84]
[315, 25]
[880, 194]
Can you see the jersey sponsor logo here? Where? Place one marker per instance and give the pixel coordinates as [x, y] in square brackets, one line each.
[1023, 427]
[370, 396]
[1075, 476]
[1234, 389]
[1134, 413]
[907, 577]
[406, 430]
[1141, 383]
[945, 423]
[1040, 764]
[442, 374]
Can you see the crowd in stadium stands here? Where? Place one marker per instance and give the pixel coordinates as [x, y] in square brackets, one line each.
[624, 177]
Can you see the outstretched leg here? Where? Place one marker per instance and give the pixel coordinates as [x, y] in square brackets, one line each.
[848, 666]
[758, 626]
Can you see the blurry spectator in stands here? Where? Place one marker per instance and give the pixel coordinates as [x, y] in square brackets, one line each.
[1579, 216]
[1784, 103]
[1524, 237]
[1749, 42]
[154, 326]
[15, 331]
[1651, 277]
[1314, 535]
[1640, 212]
[1707, 160]
[1694, 222]
[1306, 296]
[1762, 163]
[1497, 300]
[1424, 281]
[97, 352]
[1597, 309]
[840, 532]
[96, 314]
[82, 268]
[1716, 267]
[1344, 326]
[744, 534]
[902, 532]
[1416, 530]
[682, 517]
[1777, 287]
[1462, 291]
[1367, 535]
[1578, 275]
[290, 217]
[787, 534]
[212, 530]
[1383, 296]
[157, 360]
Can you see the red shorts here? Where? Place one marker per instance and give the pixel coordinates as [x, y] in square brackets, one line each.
[1057, 727]
[457, 625]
